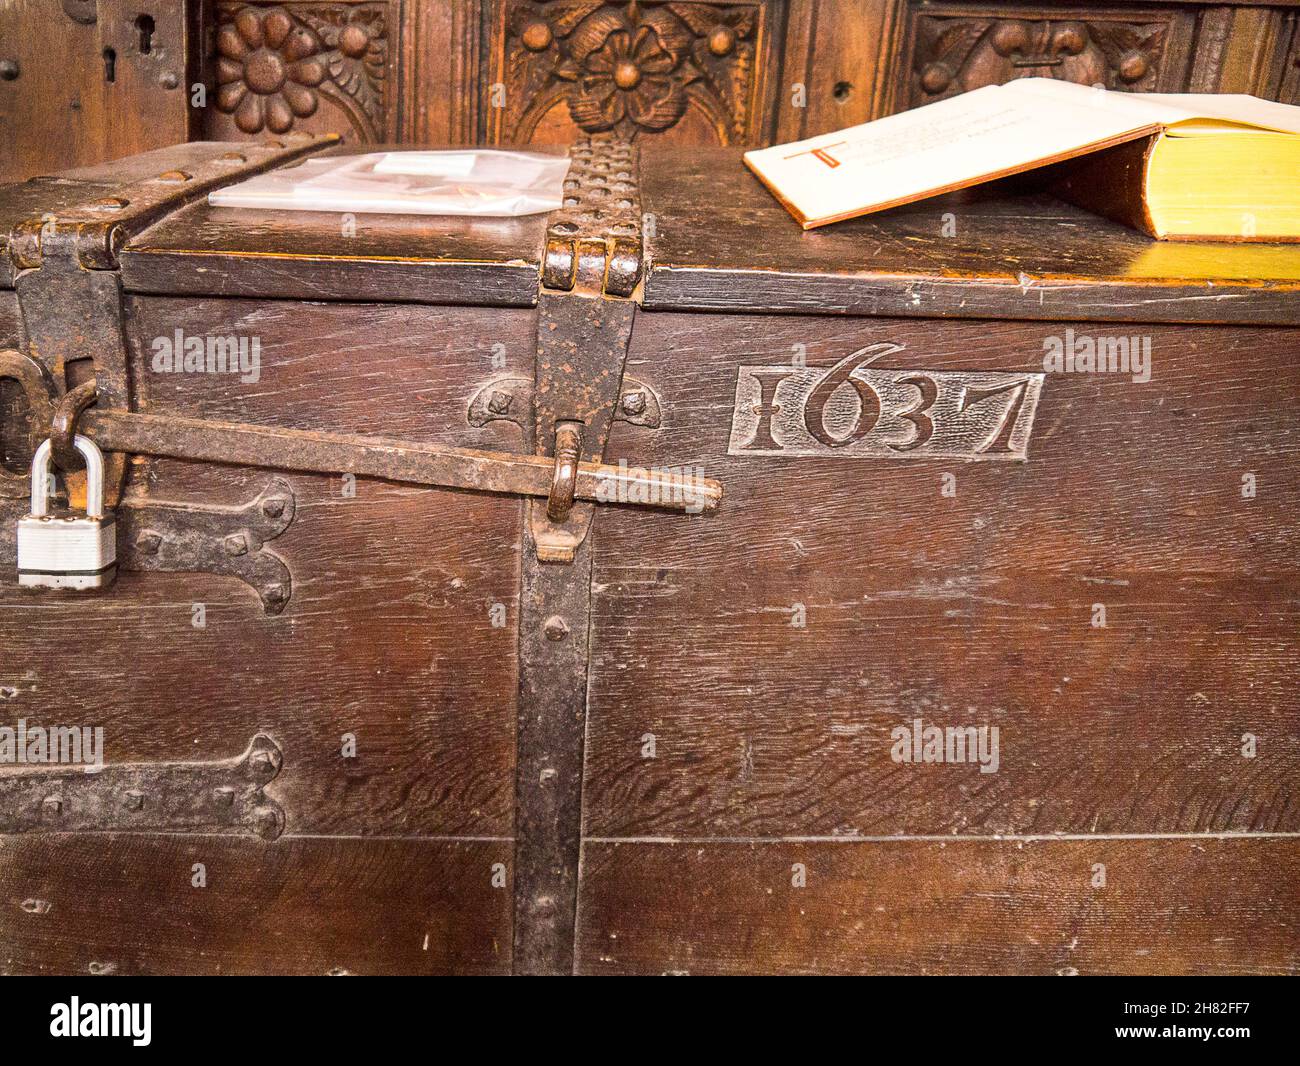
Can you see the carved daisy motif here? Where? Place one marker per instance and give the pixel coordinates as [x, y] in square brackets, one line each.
[267, 69]
[629, 68]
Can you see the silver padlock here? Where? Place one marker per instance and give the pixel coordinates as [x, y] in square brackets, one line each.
[72, 551]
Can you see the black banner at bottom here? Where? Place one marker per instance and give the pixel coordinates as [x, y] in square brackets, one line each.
[1223, 1016]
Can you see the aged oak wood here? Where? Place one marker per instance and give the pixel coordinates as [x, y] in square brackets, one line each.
[310, 255]
[722, 746]
[128, 904]
[388, 634]
[743, 72]
[1170, 906]
[975, 608]
[978, 254]
[78, 91]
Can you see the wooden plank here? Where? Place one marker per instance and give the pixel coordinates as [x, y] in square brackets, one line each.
[1208, 905]
[126, 904]
[975, 609]
[837, 52]
[984, 253]
[322, 255]
[390, 634]
[10, 319]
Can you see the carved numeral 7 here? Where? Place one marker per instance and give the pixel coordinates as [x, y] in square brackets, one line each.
[1002, 442]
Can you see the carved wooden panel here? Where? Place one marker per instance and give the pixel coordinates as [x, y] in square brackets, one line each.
[696, 72]
[81, 83]
[953, 48]
[309, 67]
[1289, 89]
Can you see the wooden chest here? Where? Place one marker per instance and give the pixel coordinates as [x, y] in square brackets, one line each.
[433, 650]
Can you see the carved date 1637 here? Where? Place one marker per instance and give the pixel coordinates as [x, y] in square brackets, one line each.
[857, 409]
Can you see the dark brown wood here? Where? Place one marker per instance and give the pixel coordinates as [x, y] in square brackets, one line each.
[617, 765]
[699, 73]
[953, 48]
[1169, 906]
[77, 91]
[987, 253]
[312, 67]
[973, 608]
[389, 634]
[742, 72]
[308, 255]
[89, 213]
[126, 904]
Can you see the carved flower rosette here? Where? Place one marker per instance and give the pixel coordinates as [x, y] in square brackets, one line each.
[275, 64]
[628, 69]
[954, 55]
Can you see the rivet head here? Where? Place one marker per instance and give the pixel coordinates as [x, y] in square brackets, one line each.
[555, 628]
[223, 796]
[634, 403]
[149, 542]
[275, 595]
[133, 800]
[109, 203]
[265, 763]
[268, 822]
[236, 544]
[722, 40]
[499, 402]
[52, 806]
[273, 508]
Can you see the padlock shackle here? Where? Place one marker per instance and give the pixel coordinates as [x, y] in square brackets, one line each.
[94, 477]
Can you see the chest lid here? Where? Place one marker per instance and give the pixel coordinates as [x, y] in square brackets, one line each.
[718, 240]
[204, 250]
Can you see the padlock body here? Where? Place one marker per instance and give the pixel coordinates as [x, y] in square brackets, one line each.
[57, 552]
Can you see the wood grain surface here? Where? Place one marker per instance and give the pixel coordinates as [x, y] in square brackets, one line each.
[975, 609]
[1190, 906]
[721, 242]
[749, 668]
[388, 634]
[126, 904]
[327, 255]
[85, 92]
[772, 742]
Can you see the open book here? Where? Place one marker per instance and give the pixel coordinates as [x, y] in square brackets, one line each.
[1193, 166]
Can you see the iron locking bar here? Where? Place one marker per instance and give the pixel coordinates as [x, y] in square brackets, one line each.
[395, 459]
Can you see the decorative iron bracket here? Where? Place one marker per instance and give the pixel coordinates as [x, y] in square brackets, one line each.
[193, 538]
[168, 797]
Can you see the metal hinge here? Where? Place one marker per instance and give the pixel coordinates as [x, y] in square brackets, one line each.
[71, 300]
[224, 796]
[585, 315]
[64, 263]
